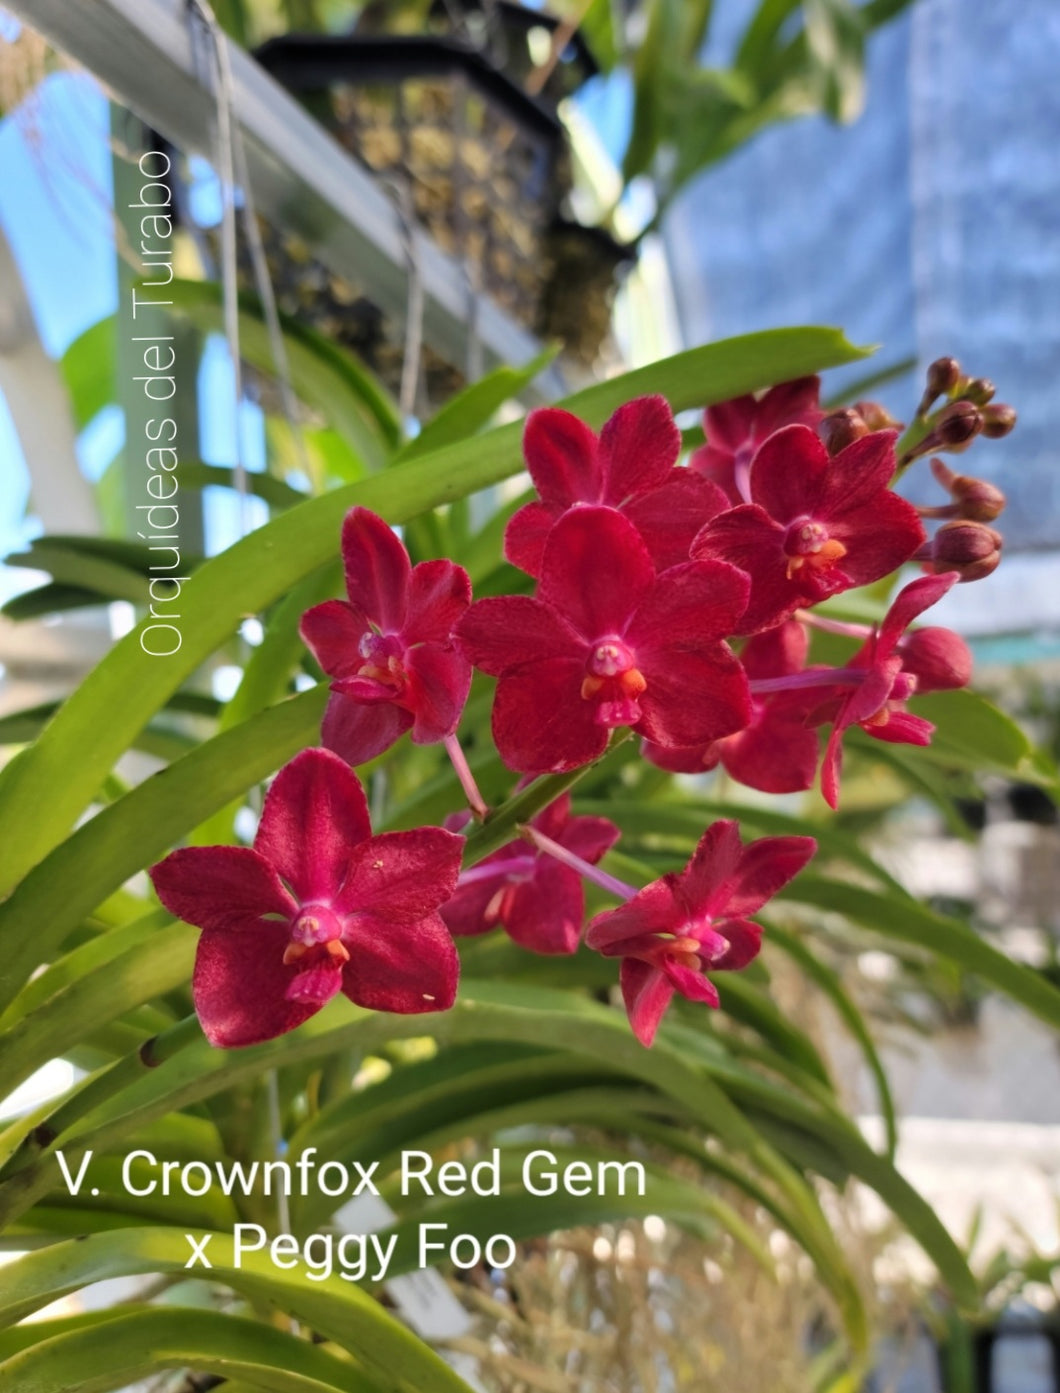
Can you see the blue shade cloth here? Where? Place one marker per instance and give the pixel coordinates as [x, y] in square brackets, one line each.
[931, 226]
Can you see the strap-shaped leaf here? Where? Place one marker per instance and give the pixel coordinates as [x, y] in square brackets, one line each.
[334, 1308]
[147, 959]
[121, 839]
[910, 922]
[830, 983]
[102, 1355]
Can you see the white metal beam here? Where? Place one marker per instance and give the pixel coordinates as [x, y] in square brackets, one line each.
[39, 404]
[145, 52]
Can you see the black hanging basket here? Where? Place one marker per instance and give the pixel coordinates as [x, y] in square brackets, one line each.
[483, 161]
[447, 115]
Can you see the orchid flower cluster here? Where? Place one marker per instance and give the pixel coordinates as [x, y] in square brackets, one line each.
[646, 574]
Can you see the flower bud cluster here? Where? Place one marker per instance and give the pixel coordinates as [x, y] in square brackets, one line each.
[969, 409]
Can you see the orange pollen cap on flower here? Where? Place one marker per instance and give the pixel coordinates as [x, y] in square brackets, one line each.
[823, 559]
[295, 952]
[690, 960]
[392, 675]
[878, 719]
[631, 684]
[684, 945]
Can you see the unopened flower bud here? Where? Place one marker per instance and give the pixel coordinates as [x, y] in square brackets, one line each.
[998, 420]
[971, 549]
[942, 377]
[975, 499]
[938, 658]
[978, 390]
[958, 423]
[955, 428]
[841, 428]
[877, 417]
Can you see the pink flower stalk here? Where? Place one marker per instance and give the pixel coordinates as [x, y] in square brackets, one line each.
[317, 906]
[538, 901]
[694, 922]
[777, 752]
[815, 525]
[889, 668]
[607, 643]
[735, 429]
[389, 649]
[631, 466]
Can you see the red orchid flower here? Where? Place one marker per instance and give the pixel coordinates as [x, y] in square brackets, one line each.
[389, 649]
[888, 669]
[631, 466]
[677, 930]
[606, 643]
[777, 752]
[538, 901]
[735, 429]
[317, 906]
[814, 525]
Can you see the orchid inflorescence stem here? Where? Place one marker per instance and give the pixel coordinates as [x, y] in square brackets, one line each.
[603, 879]
[796, 681]
[475, 800]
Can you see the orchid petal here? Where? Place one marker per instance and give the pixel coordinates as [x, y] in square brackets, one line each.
[545, 912]
[789, 473]
[647, 995]
[764, 867]
[508, 631]
[377, 569]
[562, 455]
[439, 679]
[911, 602]
[669, 517]
[639, 446]
[541, 723]
[773, 755]
[238, 988]
[690, 982]
[693, 698]
[745, 942]
[526, 535]
[221, 887]
[333, 632]
[689, 606]
[653, 910]
[596, 571]
[859, 473]
[315, 814]
[406, 968]
[358, 731]
[401, 876]
[439, 593]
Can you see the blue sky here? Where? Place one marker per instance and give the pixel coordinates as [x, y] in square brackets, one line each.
[55, 194]
[55, 189]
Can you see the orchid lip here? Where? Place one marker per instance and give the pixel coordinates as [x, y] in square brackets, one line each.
[316, 986]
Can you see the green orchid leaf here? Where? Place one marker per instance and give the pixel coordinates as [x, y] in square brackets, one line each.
[910, 922]
[333, 1307]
